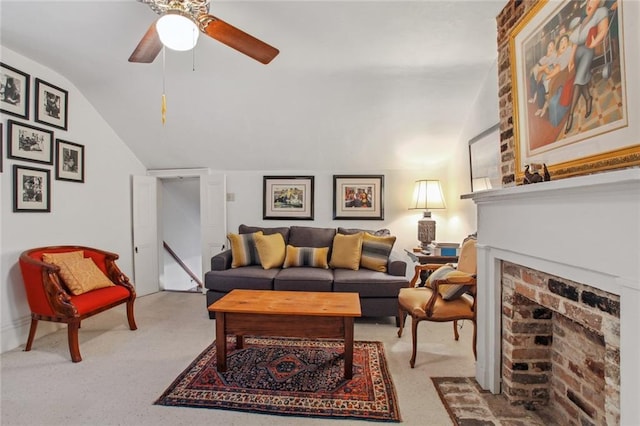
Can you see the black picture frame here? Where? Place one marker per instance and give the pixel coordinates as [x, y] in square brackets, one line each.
[52, 104]
[29, 143]
[14, 97]
[69, 161]
[358, 197]
[31, 189]
[288, 197]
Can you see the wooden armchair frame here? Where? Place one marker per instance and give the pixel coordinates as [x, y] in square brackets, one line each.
[436, 308]
[49, 299]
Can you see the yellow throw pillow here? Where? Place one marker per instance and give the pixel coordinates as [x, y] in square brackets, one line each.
[271, 249]
[57, 258]
[376, 252]
[83, 275]
[346, 251]
[243, 249]
[315, 257]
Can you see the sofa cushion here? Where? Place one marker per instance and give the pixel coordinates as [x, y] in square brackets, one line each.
[368, 283]
[346, 250]
[271, 249]
[378, 233]
[247, 278]
[283, 230]
[376, 252]
[243, 250]
[306, 236]
[304, 279]
[315, 257]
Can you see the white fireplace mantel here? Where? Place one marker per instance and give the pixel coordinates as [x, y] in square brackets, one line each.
[585, 229]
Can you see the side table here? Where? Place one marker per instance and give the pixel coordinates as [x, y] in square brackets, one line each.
[423, 257]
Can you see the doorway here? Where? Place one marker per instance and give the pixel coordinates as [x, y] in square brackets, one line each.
[189, 207]
[181, 257]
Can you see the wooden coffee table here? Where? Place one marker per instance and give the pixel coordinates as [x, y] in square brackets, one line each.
[286, 314]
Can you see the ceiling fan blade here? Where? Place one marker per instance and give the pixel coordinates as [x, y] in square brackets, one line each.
[238, 39]
[148, 48]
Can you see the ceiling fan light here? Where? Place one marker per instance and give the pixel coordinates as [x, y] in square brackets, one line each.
[177, 32]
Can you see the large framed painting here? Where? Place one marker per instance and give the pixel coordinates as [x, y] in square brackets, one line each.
[14, 91]
[51, 104]
[358, 197]
[287, 197]
[29, 143]
[575, 87]
[31, 189]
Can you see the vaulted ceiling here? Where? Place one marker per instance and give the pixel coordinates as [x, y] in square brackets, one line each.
[356, 85]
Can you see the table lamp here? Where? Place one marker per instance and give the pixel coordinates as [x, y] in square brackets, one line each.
[427, 194]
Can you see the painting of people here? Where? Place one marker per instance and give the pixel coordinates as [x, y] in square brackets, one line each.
[570, 76]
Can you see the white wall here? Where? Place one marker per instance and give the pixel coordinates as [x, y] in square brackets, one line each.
[95, 213]
[484, 114]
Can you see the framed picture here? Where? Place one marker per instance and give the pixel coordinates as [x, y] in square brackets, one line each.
[484, 159]
[14, 91]
[287, 197]
[69, 161]
[358, 197]
[29, 143]
[572, 86]
[31, 189]
[51, 105]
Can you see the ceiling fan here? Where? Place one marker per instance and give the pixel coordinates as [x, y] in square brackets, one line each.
[196, 14]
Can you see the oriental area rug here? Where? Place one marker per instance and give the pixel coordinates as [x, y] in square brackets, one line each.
[469, 405]
[291, 377]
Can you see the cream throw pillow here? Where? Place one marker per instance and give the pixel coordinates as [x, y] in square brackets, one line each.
[271, 249]
[346, 251]
[83, 275]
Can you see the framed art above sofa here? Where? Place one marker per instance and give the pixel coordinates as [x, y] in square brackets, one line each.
[287, 197]
[358, 197]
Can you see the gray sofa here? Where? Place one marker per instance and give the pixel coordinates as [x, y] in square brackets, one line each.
[378, 290]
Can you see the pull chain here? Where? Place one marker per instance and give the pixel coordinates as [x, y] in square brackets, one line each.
[164, 98]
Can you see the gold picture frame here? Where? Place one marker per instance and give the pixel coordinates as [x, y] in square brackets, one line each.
[571, 85]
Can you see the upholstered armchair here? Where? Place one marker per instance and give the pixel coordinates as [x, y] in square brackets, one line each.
[449, 294]
[67, 284]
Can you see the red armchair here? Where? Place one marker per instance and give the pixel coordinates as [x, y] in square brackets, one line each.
[50, 300]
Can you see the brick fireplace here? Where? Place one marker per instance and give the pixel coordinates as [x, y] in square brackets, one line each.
[560, 347]
[559, 296]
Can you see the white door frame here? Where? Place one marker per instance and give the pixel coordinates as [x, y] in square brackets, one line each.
[206, 205]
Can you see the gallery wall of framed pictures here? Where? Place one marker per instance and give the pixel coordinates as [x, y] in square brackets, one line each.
[29, 142]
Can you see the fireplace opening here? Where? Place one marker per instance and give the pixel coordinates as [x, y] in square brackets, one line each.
[560, 348]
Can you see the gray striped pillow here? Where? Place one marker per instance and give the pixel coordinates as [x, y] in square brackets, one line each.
[376, 252]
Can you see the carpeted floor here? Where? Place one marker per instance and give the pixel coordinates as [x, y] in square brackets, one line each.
[469, 405]
[290, 377]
